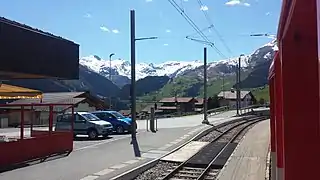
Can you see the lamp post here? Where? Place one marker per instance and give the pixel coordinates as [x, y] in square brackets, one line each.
[133, 40]
[110, 57]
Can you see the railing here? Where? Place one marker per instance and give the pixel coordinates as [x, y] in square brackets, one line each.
[215, 111]
[252, 107]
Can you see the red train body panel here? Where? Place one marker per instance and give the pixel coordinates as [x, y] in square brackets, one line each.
[294, 78]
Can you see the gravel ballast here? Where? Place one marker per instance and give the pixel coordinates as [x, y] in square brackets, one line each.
[157, 171]
[212, 135]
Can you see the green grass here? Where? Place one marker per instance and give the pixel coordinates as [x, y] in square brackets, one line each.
[261, 92]
[182, 86]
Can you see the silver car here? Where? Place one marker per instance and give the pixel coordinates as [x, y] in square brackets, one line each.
[84, 124]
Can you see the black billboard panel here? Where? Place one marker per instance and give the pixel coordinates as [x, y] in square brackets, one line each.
[26, 52]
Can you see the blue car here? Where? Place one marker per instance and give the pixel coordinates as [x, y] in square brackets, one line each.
[119, 122]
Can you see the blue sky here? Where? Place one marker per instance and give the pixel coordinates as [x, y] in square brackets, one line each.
[101, 27]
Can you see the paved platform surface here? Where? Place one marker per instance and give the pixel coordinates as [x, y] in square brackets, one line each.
[185, 152]
[248, 162]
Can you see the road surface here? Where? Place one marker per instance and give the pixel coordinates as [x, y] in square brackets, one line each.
[90, 157]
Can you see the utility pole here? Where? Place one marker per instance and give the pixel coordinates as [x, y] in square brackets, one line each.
[134, 141]
[223, 85]
[205, 105]
[110, 78]
[238, 85]
[133, 40]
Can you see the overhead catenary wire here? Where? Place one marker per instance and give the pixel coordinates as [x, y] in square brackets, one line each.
[211, 25]
[196, 28]
[187, 18]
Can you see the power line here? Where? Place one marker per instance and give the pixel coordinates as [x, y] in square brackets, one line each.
[214, 28]
[204, 29]
[187, 18]
[195, 27]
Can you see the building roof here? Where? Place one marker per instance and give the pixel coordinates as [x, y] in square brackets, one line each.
[16, 92]
[200, 101]
[232, 94]
[178, 99]
[51, 98]
[17, 24]
[60, 108]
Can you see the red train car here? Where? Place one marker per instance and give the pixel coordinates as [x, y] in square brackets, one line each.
[294, 90]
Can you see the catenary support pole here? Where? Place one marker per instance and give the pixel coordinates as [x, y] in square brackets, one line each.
[134, 141]
[205, 104]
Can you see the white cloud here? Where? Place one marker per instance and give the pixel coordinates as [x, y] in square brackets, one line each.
[168, 31]
[204, 8]
[116, 31]
[233, 2]
[88, 15]
[105, 29]
[236, 2]
[166, 44]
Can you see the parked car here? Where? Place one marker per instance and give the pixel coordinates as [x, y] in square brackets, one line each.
[119, 122]
[84, 124]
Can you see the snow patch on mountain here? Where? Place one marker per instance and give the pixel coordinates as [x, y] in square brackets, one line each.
[123, 67]
[120, 67]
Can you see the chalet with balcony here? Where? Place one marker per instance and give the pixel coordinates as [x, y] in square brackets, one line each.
[229, 98]
[177, 104]
[199, 105]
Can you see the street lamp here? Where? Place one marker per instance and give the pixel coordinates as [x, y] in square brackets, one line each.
[133, 40]
[238, 84]
[110, 57]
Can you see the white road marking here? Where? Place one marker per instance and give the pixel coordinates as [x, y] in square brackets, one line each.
[104, 172]
[97, 144]
[101, 143]
[119, 166]
[190, 133]
[167, 145]
[177, 141]
[173, 142]
[163, 148]
[131, 161]
[182, 138]
[141, 158]
[90, 177]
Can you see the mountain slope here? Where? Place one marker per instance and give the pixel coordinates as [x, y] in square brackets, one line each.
[122, 69]
[221, 75]
[144, 86]
[88, 80]
[260, 62]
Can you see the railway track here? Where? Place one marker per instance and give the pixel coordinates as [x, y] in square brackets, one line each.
[224, 142]
[209, 160]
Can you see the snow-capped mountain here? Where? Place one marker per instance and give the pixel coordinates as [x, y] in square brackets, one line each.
[122, 68]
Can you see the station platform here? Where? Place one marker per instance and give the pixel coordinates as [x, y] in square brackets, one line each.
[249, 160]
